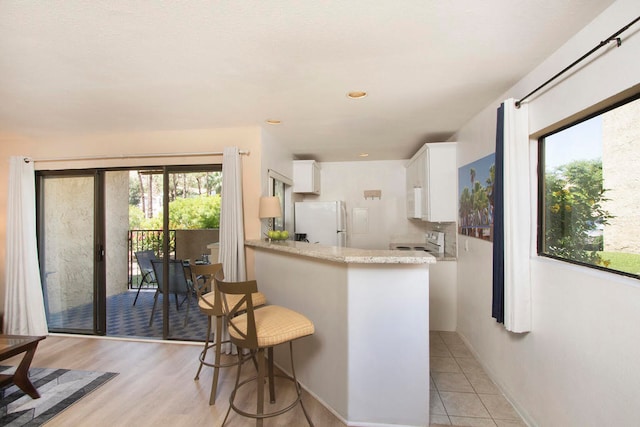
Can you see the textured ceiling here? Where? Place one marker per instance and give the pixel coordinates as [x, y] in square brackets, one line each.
[122, 66]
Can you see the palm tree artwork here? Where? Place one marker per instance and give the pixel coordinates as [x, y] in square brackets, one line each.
[476, 193]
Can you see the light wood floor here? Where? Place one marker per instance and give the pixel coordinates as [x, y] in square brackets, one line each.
[155, 386]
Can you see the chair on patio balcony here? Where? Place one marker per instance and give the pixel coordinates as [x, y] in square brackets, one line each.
[177, 285]
[146, 269]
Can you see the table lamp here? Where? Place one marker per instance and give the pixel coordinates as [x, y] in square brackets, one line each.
[269, 209]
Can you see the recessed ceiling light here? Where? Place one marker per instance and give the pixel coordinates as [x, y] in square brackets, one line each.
[273, 122]
[356, 95]
[364, 154]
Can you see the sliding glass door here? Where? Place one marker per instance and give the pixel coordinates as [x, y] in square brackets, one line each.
[71, 251]
[96, 226]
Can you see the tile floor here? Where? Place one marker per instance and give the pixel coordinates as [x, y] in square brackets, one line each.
[461, 393]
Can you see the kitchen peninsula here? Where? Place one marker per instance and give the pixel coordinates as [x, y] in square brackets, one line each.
[368, 360]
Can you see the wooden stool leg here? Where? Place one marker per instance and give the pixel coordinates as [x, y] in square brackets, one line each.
[260, 386]
[272, 386]
[232, 397]
[203, 355]
[216, 369]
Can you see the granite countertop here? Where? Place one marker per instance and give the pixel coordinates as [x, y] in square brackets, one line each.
[444, 256]
[345, 255]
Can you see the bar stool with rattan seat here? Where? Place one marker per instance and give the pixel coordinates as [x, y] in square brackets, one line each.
[258, 330]
[209, 303]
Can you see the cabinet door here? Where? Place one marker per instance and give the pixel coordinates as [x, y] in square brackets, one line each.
[422, 169]
[426, 182]
[440, 178]
[316, 178]
[306, 177]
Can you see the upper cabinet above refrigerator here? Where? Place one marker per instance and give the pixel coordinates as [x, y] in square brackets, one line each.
[432, 183]
[306, 177]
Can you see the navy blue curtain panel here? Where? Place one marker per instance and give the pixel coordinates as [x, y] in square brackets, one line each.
[497, 310]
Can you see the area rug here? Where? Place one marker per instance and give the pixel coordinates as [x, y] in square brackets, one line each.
[58, 388]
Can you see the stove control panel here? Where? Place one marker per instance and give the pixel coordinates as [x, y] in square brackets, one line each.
[434, 241]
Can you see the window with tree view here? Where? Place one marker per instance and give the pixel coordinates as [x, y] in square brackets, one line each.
[589, 198]
[194, 199]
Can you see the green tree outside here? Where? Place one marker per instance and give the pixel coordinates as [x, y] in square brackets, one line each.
[573, 211]
[195, 213]
[184, 214]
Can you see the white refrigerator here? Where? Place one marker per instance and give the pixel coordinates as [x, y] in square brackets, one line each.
[322, 222]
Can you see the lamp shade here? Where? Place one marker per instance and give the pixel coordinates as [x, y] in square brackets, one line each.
[270, 207]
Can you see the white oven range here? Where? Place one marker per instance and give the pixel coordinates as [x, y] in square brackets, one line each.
[434, 243]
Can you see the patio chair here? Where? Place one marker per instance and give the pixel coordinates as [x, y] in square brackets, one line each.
[146, 269]
[178, 285]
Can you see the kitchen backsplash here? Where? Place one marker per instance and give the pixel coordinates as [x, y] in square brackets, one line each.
[450, 235]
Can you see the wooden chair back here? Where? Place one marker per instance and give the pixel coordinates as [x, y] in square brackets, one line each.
[202, 277]
[236, 300]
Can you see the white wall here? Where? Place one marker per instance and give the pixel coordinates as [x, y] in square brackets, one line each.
[580, 364]
[277, 158]
[386, 216]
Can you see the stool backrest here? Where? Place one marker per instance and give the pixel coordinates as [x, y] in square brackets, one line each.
[202, 278]
[236, 299]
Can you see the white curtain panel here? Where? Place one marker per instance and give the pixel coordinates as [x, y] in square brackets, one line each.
[231, 253]
[517, 218]
[24, 304]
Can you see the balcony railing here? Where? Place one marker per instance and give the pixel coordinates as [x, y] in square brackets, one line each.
[142, 240]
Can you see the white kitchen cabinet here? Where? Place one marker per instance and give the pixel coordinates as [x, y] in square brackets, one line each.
[306, 176]
[432, 183]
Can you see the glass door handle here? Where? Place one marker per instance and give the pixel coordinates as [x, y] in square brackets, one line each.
[100, 253]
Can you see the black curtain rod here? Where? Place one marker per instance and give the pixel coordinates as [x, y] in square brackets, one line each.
[611, 38]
